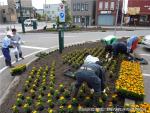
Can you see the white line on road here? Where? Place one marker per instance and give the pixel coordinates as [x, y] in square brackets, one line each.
[32, 47]
[144, 74]
[19, 59]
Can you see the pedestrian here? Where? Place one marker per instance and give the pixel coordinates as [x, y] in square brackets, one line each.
[16, 40]
[6, 44]
[94, 75]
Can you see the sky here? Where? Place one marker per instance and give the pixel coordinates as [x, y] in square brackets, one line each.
[37, 3]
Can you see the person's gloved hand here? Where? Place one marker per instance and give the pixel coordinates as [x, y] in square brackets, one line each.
[92, 91]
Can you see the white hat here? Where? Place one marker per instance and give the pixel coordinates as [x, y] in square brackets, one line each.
[9, 33]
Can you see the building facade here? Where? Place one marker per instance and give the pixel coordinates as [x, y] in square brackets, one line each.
[83, 11]
[106, 12]
[8, 13]
[139, 12]
[11, 13]
[52, 11]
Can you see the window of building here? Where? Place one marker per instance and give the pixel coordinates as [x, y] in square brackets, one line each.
[78, 6]
[112, 5]
[3, 11]
[79, 19]
[100, 5]
[82, 7]
[74, 19]
[86, 6]
[106, 5]
[74, 7]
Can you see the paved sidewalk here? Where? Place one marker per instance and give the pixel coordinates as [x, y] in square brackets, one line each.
[123, 27]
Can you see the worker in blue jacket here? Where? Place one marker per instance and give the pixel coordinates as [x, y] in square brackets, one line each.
[6, 44]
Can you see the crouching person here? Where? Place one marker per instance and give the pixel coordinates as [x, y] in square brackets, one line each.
[93, 75]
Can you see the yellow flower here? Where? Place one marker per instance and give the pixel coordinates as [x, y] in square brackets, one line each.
[49, 95]
[69, 106]
[34, 111]
[62, 98]
[61, 107]
[14, 107]
[61, 85]
[97, 109]
[79, 107]
[50, 111]
[49, 101]
[87, 98]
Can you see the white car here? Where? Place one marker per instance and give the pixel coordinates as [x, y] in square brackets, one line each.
[29, 22]
[146, 41]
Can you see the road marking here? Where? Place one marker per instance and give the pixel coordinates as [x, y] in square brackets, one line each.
[20, 59]
[69, 36]
[145, 55]
[144, 74]
[32, 47]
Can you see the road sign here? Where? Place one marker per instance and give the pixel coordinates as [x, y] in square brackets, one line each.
[61, 7]
[61, 16]
[61, 12]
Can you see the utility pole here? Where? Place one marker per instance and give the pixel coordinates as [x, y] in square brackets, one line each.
[116, 17]
[21, 16]
[123, 12]
[45, 13]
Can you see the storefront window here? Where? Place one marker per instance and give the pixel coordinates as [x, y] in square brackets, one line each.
[143, 18]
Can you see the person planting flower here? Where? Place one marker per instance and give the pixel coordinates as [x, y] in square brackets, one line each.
[93, 74]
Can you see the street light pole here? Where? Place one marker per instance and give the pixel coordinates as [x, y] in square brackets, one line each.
[21, 16]
[116, 17]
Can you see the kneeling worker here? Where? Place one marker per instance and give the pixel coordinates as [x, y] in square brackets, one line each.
[116, 48]
[93, 75]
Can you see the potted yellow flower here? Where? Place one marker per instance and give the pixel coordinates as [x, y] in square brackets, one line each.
[69, 109]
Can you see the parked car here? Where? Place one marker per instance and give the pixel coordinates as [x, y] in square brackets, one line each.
[29, 22]
[146, 41]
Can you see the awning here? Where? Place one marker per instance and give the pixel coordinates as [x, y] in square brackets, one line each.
[133, 10]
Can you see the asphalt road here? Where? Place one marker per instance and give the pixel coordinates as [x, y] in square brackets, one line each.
[35, 42]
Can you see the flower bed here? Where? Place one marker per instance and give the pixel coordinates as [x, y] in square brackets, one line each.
[130, 83]
[44, 88]
[18, 69]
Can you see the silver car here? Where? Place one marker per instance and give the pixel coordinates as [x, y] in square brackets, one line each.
[146, 41]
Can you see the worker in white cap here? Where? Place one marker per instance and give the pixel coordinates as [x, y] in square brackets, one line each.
[6, 44]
